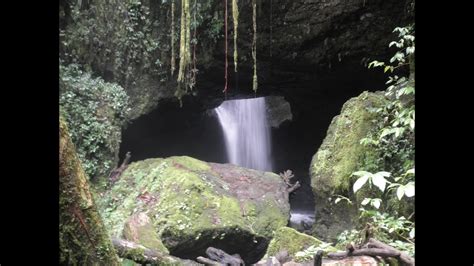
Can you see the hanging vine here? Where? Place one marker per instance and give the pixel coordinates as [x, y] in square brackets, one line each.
[173, 63]
[226, 61]
[271, 27]
[254, 44]
[194, 41]
[235, 17]
[184, 50]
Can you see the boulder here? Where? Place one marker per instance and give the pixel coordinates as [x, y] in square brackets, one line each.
[193, 205]
[337, 158]
[138, 229]
[278, 110]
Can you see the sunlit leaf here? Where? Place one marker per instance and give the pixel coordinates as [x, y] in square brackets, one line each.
[361, 173]
[360, 182]
[376, 203]
[365, 201]
[379, 181]
[410, 189]
[400, 192]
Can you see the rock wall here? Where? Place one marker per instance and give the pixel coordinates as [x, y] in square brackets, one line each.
[337, 158]
[292, 35]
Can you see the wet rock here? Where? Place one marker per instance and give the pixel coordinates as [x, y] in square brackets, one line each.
[340, 154]
[278, 110]
[193, 205]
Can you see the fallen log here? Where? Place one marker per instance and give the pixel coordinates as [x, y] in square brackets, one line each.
[374, 248]
[404, 257]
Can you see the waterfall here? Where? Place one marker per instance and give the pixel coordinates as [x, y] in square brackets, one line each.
[246, 133]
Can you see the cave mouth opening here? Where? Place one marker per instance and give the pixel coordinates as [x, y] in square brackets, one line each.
[194, 130]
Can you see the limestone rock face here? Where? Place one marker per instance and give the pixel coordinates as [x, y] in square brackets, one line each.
[338, 157]
[192, 205]
[278, 110]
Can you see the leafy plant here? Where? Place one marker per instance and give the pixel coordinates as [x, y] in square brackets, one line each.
[309, 252]
[393, 141]
[378, 179]
[95, 111]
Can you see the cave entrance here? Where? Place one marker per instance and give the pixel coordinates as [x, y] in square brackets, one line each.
[194, 129]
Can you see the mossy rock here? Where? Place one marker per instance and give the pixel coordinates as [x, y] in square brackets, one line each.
[337, 158]
[139, 229]
[292, 241]
[194, 204]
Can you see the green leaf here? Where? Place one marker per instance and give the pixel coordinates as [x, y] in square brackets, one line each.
[410, 189]
[387, 131]
[400, 192]
[412, 233]
[361, 173]
[360, 182]
[337, 200]
[365, 201]
[384, 173]
[376, 203]
[379, 181]
[411, 171]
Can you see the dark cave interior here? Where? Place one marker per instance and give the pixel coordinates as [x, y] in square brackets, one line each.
[193, 130]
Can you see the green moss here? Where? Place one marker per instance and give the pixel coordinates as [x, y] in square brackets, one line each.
[187, 200]
[190, 163]
[135, 254]
[269, 219]
[83, 238]
[140, 230]
[127, 262]
[341, 152]
[292, 241]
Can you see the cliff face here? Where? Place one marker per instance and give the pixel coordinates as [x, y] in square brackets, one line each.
[130, 43]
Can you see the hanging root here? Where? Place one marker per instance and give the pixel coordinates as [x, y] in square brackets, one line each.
[173, 61]
[226, 61]
[235, 16]
[184, 49]
[254, 45]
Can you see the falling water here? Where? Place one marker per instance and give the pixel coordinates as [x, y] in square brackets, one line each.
[246, 132]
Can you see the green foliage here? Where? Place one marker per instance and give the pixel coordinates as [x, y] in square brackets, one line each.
[118, 39]
[393, 139]
[390, 229]
[378, 179]
[348, 237]
[397, 232]
[308, 254]
[95, 111]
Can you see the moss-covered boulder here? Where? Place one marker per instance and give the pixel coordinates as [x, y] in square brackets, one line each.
[292, 241]
[193, 205]
[139, 229]
[341, 154]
